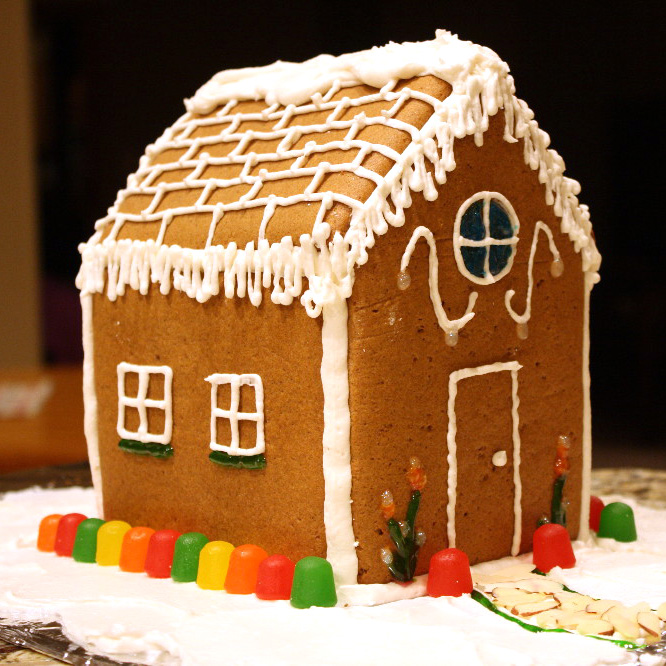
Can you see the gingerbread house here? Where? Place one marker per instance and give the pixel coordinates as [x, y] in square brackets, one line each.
[322, 269]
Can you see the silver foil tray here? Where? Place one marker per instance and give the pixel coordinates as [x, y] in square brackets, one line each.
[50, 640]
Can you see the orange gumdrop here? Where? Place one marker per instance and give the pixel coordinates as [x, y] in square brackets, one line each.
[243, 568]
[48, 529]
[134, 549]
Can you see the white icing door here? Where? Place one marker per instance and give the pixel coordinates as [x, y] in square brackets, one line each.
[483, 453]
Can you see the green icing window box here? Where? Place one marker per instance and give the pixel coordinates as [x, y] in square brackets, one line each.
[241, 462]
[146, 448]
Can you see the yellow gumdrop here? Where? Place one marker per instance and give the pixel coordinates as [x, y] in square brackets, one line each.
[213, 565]
[110, 542]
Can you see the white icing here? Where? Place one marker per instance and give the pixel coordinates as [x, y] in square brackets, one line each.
[336, 455]
[233, 415]
[525, 317]
[584, 530]
[375, 594]
[460, 241]
[499, 458]
[447, 325]
[481, 87]
[144, 620]
[142, 403]
[90, 400]
[452, 480]
[202, 274]
[295, 83]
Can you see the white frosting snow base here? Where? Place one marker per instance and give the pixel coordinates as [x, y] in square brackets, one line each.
[154, 621]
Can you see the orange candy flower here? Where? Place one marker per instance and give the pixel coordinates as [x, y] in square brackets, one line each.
[387, 505]
[416, 474]
[562, 464]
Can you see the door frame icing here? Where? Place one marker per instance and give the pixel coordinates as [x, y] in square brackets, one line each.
[452, 481]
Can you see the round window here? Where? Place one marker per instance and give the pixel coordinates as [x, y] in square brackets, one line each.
[485, 237]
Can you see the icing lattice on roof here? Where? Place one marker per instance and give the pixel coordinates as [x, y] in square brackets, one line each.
[234, 169]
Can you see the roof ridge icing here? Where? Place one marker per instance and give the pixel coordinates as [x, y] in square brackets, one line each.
[481, 87]
[446, 57]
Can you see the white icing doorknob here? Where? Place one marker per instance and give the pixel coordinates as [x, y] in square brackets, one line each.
[499, 458]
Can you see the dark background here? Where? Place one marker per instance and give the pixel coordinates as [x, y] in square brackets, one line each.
[111, 75]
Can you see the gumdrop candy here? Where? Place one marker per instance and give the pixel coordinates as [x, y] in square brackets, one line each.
[596, 507]
[160, 553]
[213, 565]
[135, 549]
[313, 584]
[110, 542]
[243, 567]
[186, 557]
[275, 577]
[552, 548]
[85, 543]
[48, 528]
[449, 574]
[66, 533]
[617, 522]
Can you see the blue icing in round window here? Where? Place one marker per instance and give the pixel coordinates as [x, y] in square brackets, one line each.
[487, 237]
[471, 225]
[499, 258]
[499, 222]
[475, 260]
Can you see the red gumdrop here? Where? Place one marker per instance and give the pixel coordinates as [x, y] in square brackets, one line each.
[449, 574]
[552, 548]
[596, 507]
[64, 541]
[274, 578]
[160, 553]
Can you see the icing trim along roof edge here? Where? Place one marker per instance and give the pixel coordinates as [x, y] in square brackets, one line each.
[481, 86]
[445, 57]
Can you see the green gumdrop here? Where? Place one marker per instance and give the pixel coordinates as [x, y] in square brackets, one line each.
[186, 557]
[313, 584]
[617, 522]
[85, 543]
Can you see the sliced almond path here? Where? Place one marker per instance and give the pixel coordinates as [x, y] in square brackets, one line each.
[542, 601]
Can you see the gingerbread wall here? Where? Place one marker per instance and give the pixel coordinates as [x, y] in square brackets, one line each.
[399, 368]
[280, 507]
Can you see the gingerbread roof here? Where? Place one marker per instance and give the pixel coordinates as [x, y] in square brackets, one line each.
[280, 177]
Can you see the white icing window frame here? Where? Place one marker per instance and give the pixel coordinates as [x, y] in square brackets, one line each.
[142, 403]
[459, 241]
[234, 416]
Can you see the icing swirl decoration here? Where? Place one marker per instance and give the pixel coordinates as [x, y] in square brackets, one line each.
[449, 326]
[556, 270]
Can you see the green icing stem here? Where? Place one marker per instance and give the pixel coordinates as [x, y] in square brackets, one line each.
[405, 558]
[146, 448]
[558, 512]
[484, 601]
[241, 462]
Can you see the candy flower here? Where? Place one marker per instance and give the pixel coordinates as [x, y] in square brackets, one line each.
[387, 505]
[562, 464]
[416, 474]
[407, 540]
